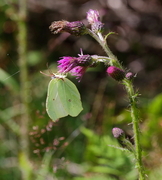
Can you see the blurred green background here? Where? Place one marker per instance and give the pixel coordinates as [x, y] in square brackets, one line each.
[32, 147]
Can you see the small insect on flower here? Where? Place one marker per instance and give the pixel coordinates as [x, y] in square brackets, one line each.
[63, 98]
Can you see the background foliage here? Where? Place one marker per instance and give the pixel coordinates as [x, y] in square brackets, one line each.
[80, 148]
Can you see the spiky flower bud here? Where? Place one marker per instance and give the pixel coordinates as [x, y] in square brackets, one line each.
[129, 75]
[122, 139]
[85, 60]
[118, 133]
[116, 73]
[76, 28]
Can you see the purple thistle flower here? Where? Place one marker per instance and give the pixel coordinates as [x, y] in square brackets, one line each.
[78, 71]
[92, 16]
[75, 65]
[67, 63]
[94, 19]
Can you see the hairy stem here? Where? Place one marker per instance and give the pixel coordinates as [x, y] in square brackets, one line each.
[102, 41]
[133, 101]
[136, 130]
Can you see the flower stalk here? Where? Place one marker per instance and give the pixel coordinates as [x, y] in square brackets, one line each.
[133, 109]
[102, 41]
[114, 62]
[135, 122]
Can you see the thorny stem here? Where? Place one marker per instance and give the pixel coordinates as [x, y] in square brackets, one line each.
[133, 102]
[135, 122]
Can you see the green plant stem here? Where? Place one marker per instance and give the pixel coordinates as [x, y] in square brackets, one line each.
[24, 163]
[102, 41]
[133, 102]
[136, 130]
[22, 51]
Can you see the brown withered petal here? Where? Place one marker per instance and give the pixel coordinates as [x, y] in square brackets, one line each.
[58, 26]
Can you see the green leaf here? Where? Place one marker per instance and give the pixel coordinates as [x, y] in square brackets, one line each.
[155, 106]
[95, 177]
[63, 99]
[44, 170]
[7, 115]
[8, 81]
[153, 123]
[109, 34]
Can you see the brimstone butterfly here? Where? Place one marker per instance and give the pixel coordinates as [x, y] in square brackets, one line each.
[63, 98]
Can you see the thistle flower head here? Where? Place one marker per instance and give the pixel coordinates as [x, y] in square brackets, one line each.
[78, 71]
[66, 64]
[116, 73]
[93, 18]
[75, 65]
[76, 28]
[117, 132]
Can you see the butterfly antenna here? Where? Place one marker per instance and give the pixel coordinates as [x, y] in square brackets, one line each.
[45, 73]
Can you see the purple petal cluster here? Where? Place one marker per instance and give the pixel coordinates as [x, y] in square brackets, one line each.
[117, 132]
[75, 65]
[92, 16]
[94, 19]
[67, 63]
[78, 71]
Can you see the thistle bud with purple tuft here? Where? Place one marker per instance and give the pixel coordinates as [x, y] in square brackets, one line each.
[117, 132]
[129, 75]
[94, 20]
[76, 65]
[116, 73]
[122, 139]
